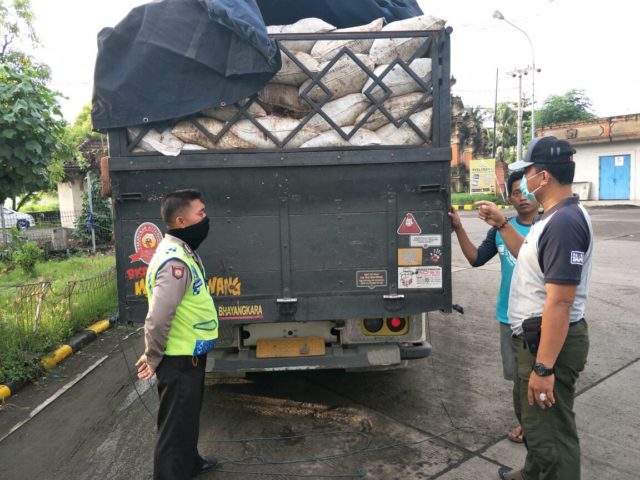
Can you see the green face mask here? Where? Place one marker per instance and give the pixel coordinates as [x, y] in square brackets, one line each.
[525, 189]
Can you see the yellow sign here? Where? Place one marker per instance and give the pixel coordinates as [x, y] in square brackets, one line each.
[408, 257]
[482, 176]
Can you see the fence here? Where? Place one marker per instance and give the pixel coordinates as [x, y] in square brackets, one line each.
[35, 318]
[58, 230]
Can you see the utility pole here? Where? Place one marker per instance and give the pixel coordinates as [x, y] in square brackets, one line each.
[495, 115]
[519, 73]
[91, 221]
[500, 16]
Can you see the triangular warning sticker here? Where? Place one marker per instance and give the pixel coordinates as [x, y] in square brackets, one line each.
[409, 226]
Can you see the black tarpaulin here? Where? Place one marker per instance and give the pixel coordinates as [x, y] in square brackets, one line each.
[339, 13]
[173, 58]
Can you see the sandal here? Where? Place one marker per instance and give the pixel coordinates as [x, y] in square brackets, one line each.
[516, 434]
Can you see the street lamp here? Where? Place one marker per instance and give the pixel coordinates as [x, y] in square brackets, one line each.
[499, 16]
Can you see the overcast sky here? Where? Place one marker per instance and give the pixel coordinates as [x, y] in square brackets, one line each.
[576, 44]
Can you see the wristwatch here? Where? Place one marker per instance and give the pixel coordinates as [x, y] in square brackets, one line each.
[541, 370]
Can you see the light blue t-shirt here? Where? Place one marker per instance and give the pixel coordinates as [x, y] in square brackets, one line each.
[491, 245]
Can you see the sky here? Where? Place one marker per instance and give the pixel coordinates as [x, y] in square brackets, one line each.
[577, 45]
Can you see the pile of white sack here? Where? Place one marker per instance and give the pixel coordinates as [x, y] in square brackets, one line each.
[281, 104]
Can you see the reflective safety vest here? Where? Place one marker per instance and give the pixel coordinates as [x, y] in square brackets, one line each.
[194, 329]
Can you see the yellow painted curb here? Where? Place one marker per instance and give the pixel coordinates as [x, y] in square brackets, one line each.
[468, 207]
[60, 354]
[99, 327]
[5, 392]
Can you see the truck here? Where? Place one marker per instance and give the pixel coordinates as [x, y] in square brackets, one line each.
[317, 258]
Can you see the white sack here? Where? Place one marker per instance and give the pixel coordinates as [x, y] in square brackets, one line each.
[342, 111]
[385, 50]
[406, 135]
[398, 107]
[153, 141]
[399, 81]
[291, 74]
[343, 78]
[325, 50]
[306, 25]
[189, 133]
[279, 127]
[361, 138]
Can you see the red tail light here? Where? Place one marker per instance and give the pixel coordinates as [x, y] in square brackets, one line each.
[395, 324]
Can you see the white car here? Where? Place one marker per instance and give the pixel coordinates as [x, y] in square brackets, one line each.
[21, 221]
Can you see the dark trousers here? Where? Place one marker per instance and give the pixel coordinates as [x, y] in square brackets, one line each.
[553, 448]
[180, 388]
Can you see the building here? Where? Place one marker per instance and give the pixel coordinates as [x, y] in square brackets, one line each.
[607, 156]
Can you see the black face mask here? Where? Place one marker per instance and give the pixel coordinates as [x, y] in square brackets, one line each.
[192, 235]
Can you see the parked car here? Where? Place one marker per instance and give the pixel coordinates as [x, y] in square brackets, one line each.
[21, 221]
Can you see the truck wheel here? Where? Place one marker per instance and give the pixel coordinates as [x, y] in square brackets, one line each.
[22, 224]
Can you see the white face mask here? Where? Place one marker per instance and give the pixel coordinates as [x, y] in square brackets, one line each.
[525, 189]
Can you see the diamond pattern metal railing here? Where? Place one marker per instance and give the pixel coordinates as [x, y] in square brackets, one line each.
[430, 48]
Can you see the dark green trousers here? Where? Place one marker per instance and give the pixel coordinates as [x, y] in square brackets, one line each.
[553, 448]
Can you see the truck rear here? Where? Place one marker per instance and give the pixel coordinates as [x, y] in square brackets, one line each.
[325, 255]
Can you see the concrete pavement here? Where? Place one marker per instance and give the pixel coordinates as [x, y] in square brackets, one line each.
[444, 417]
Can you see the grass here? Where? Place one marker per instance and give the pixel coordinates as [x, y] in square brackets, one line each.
[37, 317]
[61, 271]
[468, 198]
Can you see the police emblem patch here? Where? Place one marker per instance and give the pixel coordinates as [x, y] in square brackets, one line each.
[177, 272]
[577, 258]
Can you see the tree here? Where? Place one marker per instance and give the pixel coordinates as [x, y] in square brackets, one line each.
[32, 144]
[16, 28]
[473, 132]
[32, 149]
[506, 132]
[572, 106]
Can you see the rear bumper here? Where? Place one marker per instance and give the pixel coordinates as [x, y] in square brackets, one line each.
[413, 352]
[335, 358]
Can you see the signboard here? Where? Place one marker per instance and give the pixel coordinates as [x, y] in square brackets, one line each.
[482, 175]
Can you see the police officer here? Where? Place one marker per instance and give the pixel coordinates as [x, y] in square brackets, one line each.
[546, 309]
[180, 328]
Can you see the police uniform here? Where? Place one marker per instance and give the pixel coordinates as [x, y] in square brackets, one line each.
[180, 328]
[557, 250]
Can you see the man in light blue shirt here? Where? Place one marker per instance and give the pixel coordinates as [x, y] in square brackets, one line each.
[494, 244]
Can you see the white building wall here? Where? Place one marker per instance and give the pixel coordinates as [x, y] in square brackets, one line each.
[587, 160]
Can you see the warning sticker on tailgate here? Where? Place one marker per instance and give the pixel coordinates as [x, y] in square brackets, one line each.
[371, 278]
[419, 277]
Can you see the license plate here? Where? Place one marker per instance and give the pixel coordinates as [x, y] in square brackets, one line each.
[289, 347]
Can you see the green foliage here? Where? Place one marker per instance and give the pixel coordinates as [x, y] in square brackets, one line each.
[65, 308]
[79, 132]
[572, 106]
[16, 25]
[32, 149]
[28, 257]
[469, 198]
[102, 216]
[473, 132]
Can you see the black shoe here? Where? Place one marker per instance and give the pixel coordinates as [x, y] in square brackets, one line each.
[507, 473]
[205, 465]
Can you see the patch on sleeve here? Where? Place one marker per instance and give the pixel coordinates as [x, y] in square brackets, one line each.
[177, 272]
[577, 258]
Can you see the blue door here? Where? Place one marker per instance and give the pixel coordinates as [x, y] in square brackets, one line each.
[615, 177]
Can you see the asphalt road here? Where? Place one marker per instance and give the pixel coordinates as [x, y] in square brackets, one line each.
[443, 417]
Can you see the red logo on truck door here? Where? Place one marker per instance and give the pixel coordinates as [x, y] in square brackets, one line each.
[409, 226]
[146, 239]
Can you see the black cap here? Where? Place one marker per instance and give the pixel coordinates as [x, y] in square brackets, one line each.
[547, 150]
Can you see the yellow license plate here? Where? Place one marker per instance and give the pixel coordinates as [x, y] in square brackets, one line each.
[289, 347]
